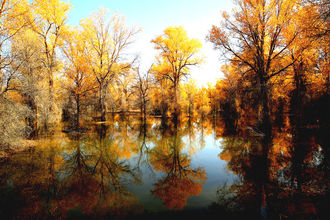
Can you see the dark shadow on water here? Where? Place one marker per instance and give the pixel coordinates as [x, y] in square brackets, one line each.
[290, 181]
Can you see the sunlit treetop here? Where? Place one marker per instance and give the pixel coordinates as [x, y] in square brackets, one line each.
[51, 11]
[178, 49]
[175, 44]
[107, 36]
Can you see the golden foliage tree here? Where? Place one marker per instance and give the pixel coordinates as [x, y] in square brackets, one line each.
[78, 73]
[257, 38]
[13, 18]
[107, 39]
[48, 20]
[177, 53]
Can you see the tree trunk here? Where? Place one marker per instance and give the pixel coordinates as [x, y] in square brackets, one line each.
[126, 103]
[51, 83]
[141, 108]
[176, 105]
[32, 119]
[266, 123]
[144, 111]
[101, 102]
[78, 111]
[299, 134]
[50, 93]
[189, 108]
[164, 106]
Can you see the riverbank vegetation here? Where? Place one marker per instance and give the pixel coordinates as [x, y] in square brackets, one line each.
[276, 70]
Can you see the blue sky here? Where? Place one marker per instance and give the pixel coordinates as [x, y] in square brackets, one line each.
[153, 16]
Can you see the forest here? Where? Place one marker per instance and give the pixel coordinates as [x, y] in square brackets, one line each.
[275, 86]
[277, 63]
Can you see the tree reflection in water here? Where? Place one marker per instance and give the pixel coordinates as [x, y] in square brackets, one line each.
[86, 179]
[91, 175]
[181, 181]
[29, 184]
[290, 182]
[99, 191]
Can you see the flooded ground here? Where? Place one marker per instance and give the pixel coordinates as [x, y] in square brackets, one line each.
[123, 169]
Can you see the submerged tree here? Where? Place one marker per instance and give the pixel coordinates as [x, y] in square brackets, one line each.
[13, 19]
[124, 87]
[29, 80]
[189, 95]
[107, 39]
[78, 74]
[257, 38]
[13, 16]
[48, 21]
[142, 86]
[177, 54]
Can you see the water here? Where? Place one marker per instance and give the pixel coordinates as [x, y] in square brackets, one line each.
[122, 169]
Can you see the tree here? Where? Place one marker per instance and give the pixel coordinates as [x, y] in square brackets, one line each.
[202, 103]
[160, 93]
[189, 95]
[257, 39]
[142, 85]
[29, 75]
[13, 18]
[177, 54]
[107, 39]
[125, 84]
[78, 73]
[49, 19]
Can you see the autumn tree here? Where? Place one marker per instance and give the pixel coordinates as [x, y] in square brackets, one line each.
[30, 75]
[107, 39]
[257, 40]
[310, 72]
[125, 83]
[78, 73]
[48, 21]
[142, 86]
[212, 94]
[13, 17]
[177, 54]
[160, 93]
[202, 103]
[189, 96]
[254, 38]
[234, 98]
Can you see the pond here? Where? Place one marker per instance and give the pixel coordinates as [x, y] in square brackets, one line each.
[122, 169]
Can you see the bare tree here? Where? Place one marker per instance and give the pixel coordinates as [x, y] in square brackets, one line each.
[13, 18]
[107, 39]
[142, 85]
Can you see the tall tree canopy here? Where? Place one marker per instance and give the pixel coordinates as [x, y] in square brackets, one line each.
[257, 39]
[107, 38]
[177, 53]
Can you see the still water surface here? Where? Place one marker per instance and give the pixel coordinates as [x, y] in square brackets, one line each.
[123, 169]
